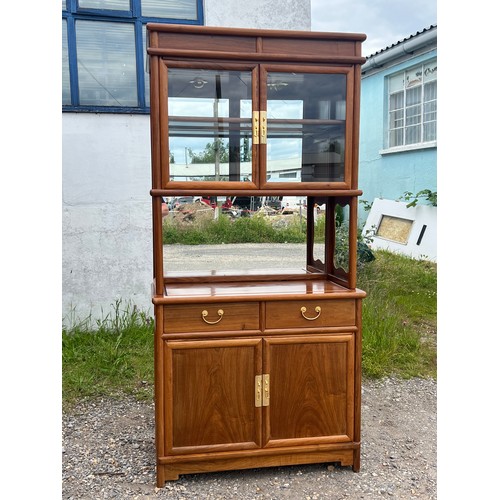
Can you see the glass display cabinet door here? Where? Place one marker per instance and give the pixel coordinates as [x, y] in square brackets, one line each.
[309, 126]
[207, 129]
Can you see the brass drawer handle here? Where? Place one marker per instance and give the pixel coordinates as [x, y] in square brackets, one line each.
[204, 314]
[304, 309]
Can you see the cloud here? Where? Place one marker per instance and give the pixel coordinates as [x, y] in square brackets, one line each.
[385, 22]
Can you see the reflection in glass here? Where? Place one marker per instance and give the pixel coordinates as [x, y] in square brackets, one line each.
[174, 9]
[104, 4]
[66, 92]
[106, 63]
[306, 116]
[146, 70]
[210, 125]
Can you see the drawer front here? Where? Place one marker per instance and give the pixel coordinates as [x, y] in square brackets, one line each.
[211, 317]
[310, 313]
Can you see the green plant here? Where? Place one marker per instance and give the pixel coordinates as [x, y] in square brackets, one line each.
[111, 355]
[399, 316]
[425, 194]
[341, 256]
[367, 206]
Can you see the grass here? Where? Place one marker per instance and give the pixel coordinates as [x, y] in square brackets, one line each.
[114, 357]
[399, 316]
[256, 229]
[399, 335]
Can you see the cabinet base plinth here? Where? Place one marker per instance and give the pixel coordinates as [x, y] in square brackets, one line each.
[171, 471]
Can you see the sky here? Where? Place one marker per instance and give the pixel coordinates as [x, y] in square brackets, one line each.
[385, 22]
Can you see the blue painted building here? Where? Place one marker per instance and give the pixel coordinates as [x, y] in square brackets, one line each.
[398, 128]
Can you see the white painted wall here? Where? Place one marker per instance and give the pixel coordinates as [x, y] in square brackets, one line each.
[106, 214]
[106, 178]
[276, 14]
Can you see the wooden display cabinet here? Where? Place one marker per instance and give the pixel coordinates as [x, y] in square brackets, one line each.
[257, 368]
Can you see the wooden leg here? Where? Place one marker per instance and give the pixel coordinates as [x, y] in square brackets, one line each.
[163, 474]
[357, 460]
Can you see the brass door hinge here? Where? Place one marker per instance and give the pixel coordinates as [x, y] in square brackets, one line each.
[259, 127]
[262, 390]
[255, 127]
[265, 394]
[263, 127]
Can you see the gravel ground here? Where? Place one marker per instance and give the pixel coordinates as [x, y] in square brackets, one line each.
[108, 445]
[108, 452]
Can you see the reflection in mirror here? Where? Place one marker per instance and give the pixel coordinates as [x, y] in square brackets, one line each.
[341, 252]
[232, 235]
[319, 233]
[210, 126]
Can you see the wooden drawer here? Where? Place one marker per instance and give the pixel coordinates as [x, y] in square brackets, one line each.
[224, 316]
[290, 314]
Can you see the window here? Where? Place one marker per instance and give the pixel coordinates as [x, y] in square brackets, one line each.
[413, 106]
[104, 50]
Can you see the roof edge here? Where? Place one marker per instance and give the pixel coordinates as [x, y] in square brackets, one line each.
[408, 45]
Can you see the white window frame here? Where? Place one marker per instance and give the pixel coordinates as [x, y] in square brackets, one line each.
[426, 74]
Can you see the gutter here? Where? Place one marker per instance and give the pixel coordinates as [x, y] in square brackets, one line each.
[402, 48]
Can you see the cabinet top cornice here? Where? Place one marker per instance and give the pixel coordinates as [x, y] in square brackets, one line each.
[259, 44]
[218, 30]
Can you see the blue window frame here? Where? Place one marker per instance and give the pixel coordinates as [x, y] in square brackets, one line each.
[104, 51]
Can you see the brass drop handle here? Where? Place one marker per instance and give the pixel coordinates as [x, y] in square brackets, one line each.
[204, 315]
[304, 309]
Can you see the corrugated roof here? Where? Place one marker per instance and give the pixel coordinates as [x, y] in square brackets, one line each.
[432, 26]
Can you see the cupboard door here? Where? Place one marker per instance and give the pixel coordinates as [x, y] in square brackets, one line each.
[207, 125]
[311, 390]
[309, 117]
[209, 395]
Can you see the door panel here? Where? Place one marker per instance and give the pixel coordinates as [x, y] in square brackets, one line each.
[207, 134]
[209, 395]
[311, 390]
[308, 126]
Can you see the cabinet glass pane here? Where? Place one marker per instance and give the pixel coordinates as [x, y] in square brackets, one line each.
[306, 115]
[210, 125]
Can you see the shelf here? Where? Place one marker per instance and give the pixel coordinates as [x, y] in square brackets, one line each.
[236, 291]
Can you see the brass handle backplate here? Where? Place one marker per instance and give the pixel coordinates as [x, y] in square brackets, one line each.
[204, 315]
[303, 310]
